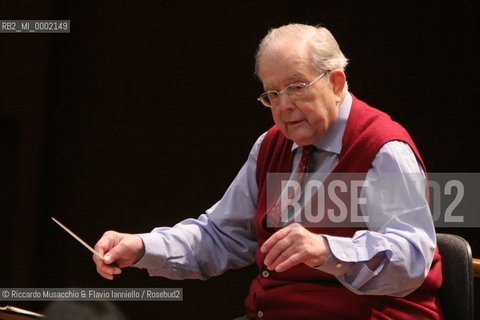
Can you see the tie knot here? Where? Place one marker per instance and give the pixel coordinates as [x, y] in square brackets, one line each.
[307, 150]
[304, 161]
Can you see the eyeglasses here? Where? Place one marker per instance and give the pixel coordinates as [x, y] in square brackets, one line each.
[296, 90]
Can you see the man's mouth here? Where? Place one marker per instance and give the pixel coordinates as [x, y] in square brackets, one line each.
[292, 123]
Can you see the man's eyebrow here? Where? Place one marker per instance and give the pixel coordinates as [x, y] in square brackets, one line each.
[296, 76]
[290, 77]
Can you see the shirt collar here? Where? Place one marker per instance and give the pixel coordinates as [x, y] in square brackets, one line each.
[332, 140]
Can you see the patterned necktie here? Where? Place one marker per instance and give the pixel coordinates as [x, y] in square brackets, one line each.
[275, 214]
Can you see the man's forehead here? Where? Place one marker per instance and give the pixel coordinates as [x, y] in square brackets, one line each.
[283, 64]
[284, 54]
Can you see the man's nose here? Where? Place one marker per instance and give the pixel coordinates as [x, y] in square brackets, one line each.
[285, 102]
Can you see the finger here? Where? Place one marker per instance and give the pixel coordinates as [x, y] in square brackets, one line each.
[311, 251]
[118, 256]
[105, 274]
[100, 250]
[276, 237]
[109, 247]
[113, 269]
[277, 250]
[97, 259]
[106, 242]
[289, 261]
[108, 269]
[282, 257]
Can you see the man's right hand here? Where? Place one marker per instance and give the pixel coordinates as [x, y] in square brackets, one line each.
[119, 250]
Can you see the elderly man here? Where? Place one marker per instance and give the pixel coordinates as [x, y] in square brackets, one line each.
[388, 270]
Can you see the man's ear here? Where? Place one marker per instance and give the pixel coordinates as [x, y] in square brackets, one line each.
[338, 80]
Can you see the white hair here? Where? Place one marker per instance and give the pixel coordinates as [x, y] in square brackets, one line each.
[325, 54]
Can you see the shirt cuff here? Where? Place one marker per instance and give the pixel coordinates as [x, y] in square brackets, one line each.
[342, 248]
[349, 259]
[334, 266]
[152, 259]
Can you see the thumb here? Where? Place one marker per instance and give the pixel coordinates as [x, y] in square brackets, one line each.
[107, 259]
[114, 254]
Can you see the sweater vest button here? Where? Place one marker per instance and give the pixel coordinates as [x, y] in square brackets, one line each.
[260, 314]
[265, 273]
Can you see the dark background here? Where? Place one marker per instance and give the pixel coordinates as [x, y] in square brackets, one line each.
[144, 113]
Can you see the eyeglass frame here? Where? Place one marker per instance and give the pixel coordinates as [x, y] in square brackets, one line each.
[304, 86]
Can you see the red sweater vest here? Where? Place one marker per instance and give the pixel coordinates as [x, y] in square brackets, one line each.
[305, 293]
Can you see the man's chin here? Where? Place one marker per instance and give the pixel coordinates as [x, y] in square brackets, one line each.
[301, 136]
[302, 140]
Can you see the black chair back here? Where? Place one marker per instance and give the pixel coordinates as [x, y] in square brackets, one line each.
[456, 294]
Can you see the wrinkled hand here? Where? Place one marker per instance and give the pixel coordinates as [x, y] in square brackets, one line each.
[293, 245]
[119, 250]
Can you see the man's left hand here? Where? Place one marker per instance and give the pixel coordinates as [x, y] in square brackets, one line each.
[293, 245]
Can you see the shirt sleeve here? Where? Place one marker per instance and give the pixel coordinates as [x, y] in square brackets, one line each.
[222, 238]
[392, 257]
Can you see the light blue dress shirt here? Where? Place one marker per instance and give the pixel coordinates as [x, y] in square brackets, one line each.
[399, 243]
